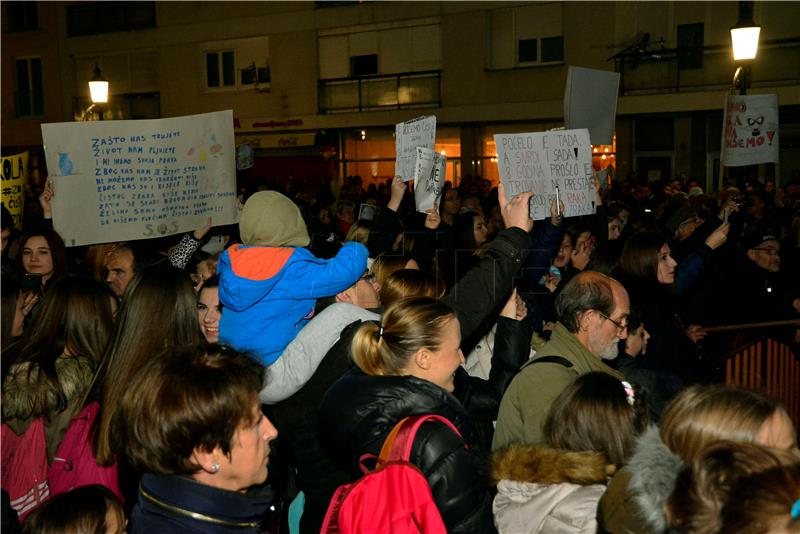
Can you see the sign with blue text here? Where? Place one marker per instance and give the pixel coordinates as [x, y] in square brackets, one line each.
[408, 136]
[544, 162]
[138, 179]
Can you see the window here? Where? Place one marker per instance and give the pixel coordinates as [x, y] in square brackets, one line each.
[106, 17]
[22, 16]
[363, 65]
[552, 49]
[220, 69]
[528, 51]
[690, 46]
[29, 96]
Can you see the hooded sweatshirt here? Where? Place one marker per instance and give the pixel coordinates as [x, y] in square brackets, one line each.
[268, 286]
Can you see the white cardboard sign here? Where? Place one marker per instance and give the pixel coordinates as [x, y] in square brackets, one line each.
[408, 136]
[751, 133]
[543, 161]
[429, 174]
[137, 179]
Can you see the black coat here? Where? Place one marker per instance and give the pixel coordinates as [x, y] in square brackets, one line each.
[359, 411]
[319, 471]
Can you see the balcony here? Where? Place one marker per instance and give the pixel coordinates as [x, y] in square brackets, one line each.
[381, 92]
[661, 70]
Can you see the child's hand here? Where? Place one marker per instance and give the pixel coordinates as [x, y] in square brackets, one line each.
[398, 190]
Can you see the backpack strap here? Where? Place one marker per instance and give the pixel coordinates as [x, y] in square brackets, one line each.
[399, 441]
[551, 359]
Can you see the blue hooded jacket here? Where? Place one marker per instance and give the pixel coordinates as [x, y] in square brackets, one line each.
[269, 293]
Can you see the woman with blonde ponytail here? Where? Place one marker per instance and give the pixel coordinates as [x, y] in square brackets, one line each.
[406, 366]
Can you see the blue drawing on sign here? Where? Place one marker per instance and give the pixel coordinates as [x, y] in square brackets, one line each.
[64, 164]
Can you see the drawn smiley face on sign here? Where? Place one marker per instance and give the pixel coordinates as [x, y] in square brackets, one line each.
[755, 123]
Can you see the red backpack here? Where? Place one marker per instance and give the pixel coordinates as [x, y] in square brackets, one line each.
[393, 498]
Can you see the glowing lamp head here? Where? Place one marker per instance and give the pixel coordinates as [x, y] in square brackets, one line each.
[98, 87]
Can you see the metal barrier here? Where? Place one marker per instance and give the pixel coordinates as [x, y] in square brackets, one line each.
[768, 366]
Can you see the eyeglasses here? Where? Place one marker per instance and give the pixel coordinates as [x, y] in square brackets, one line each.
[621, 325]
[769, 251]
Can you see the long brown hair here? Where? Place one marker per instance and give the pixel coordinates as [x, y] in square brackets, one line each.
[700, 415]
[159, 311]
[736, 487]
[75, 320]
[409, 283]
[640, 256]
[58, 252]
[594, 413]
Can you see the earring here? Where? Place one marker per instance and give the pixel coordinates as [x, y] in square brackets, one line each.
[214, 468]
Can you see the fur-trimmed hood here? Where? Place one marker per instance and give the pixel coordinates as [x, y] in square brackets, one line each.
[543, 465]
[654, 469]
[26, 398]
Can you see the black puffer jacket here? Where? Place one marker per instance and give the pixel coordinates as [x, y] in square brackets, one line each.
[359, 411]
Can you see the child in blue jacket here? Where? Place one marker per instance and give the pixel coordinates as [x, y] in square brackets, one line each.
[269, 286]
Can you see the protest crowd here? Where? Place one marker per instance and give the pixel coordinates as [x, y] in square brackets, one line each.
[232, 379]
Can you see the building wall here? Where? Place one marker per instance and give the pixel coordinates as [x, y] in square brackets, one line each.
[480, 86]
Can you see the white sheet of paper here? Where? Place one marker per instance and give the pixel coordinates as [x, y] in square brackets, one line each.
[750, 130]
[137, 179]
[590, 101]
[408, 136]
[429, 174]
[540, 161]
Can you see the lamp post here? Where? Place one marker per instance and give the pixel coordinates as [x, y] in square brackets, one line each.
[744, 38]
[98, 89]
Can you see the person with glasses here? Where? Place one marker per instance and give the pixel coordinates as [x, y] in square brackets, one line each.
[592, 312]
[749, 287]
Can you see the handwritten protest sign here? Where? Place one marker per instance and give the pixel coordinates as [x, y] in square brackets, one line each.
[408, 136]
[540, 162]
[428, 178]
[750, 130]
[126, 180]
[14, 173]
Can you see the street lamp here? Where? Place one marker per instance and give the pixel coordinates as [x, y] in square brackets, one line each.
[744, 37]
[98, 89]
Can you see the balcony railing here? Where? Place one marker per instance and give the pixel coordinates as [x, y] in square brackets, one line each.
[374, 93]
[658, 70]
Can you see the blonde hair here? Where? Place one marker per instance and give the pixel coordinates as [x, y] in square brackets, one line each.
[386, 264]
[407, 326]
[701, 415]
[359, 232]
[409, 283]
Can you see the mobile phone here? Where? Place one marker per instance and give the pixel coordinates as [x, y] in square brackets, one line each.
[31, 282]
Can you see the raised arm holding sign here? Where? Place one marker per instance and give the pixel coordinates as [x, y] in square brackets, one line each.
[128, 180]
[543, 162]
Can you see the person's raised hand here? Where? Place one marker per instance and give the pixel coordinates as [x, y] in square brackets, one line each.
[598, 189]
[515, 212]
[201, 231]
[398, 190]
[514, 308]
[46, 199]
[433, 220]
[581, 255]
[695, 333]
[718, 236]
[729, 207]
[556, 212]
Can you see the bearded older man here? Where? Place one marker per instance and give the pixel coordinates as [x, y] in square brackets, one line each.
[592, 312]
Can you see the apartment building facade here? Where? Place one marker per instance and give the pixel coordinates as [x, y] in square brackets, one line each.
[316, 87]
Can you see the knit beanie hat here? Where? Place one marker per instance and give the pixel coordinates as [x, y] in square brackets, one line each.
[272, 220]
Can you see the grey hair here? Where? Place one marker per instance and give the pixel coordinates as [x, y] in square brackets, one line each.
[588, 290]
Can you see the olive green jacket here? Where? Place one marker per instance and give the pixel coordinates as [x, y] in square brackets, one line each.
[528, 398]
